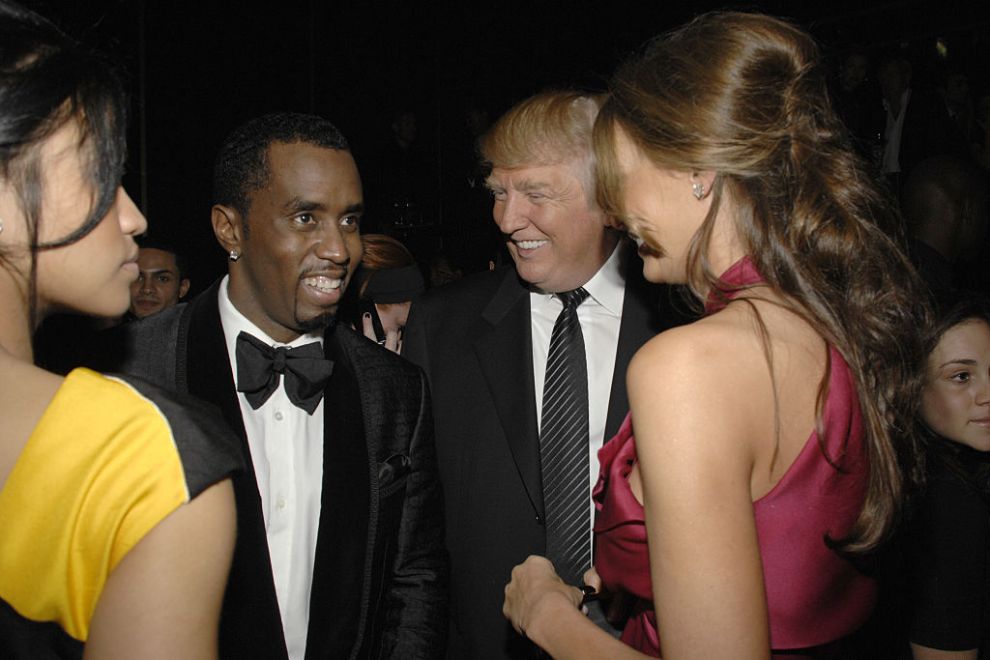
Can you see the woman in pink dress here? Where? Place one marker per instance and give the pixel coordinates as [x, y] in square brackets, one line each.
[768, 433]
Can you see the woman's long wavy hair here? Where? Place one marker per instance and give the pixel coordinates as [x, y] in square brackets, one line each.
[744, 96]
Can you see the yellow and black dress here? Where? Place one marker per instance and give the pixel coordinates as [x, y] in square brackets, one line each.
[109, 459]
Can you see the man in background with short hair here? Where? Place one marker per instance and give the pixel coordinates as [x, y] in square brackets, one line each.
[162, 280]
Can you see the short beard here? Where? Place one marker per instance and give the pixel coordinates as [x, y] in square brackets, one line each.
[319, 323]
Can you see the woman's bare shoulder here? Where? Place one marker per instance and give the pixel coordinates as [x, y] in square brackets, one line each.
[705, 380]
[33, 382]
[719, 344]
[25, 392]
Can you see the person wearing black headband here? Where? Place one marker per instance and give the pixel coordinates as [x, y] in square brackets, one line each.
[393, 291]
[385, 286]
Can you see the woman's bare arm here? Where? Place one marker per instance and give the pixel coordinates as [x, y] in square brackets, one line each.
[694, 401]
[544, 609]
[163, 599]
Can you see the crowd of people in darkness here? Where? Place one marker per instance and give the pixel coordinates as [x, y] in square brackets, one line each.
[696, 365]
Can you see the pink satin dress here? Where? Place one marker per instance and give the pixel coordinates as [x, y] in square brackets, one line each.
[814, 596]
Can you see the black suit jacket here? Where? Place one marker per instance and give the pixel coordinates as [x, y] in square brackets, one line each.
[473, 338]
[379, 579]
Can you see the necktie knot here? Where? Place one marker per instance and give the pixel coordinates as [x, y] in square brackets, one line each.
[278, 359]
[573, 298]
[261, 367]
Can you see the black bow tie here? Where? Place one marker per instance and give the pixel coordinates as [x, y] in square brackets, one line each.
[259, 367]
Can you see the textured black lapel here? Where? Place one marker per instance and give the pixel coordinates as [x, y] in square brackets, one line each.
[207, 368]
[504, 347]
[337, 606]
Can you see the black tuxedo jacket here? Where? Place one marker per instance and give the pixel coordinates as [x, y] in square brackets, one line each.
[379, 580]
[473, 338]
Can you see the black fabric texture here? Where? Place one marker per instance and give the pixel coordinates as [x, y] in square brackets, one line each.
[208, 450]
[950, 565]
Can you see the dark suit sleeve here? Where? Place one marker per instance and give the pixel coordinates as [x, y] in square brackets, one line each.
[414, 337]
[145, 348]
[417, 600]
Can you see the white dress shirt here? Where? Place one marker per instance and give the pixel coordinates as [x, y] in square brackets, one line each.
[286, 447]
[600, 316]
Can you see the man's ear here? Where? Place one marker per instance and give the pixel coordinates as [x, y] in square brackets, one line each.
[227, 228]
[183, 287]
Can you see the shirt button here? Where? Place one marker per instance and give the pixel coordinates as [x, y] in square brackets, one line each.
[278, 415]
[280, 503]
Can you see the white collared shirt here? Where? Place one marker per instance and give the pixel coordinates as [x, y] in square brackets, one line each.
[600, 316]
[286, 447]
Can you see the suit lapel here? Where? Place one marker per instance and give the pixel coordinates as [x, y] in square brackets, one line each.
[337, 605]
[634, 330]
[250, 624]
[207, 367]
[504, 350]
[642, 319]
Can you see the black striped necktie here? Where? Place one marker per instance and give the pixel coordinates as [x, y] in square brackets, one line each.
[564, 445]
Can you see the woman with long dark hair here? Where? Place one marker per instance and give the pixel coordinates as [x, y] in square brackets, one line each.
[949, 536]
[768, 434]
[116, 517]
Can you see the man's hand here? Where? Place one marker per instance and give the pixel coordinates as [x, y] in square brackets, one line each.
[535, 592]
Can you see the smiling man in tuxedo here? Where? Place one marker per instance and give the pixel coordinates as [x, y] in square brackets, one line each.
[339, 551]
[517, 446]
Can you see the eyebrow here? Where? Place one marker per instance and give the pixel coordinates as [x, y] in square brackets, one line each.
[526, 185]
[156, 271]
[299, 205]
[969, 362]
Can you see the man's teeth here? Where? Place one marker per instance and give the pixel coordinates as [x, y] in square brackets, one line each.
[324, 283]
[529, 245]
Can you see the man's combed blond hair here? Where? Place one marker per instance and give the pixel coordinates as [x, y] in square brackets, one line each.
[546, 129]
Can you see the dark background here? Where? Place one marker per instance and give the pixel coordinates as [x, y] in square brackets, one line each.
[197, 69]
